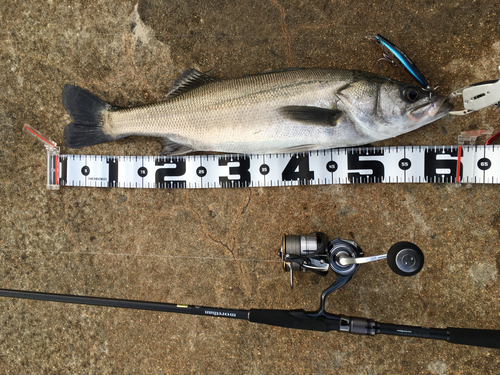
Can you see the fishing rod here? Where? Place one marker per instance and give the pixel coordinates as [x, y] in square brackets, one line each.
[314, 253]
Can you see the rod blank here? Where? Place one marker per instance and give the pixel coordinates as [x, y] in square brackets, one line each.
[297, 319]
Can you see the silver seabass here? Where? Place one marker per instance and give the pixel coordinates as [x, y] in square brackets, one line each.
[286, 111]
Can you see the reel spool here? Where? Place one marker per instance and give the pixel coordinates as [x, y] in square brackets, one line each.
[304, 252]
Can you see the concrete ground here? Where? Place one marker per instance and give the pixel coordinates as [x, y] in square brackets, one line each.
[217, 247]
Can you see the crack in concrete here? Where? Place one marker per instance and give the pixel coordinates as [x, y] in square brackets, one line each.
[424, 304]
[244, 208]
[207, 234]
[288, 38]
[221, 243]
[226, 246]
[229, 248]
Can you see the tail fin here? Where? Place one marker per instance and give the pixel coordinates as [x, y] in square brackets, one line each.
[86, 112]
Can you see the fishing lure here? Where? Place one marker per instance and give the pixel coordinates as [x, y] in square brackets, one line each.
[393, 54]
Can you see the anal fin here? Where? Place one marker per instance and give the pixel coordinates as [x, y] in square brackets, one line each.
[174, 148]
[298, 148]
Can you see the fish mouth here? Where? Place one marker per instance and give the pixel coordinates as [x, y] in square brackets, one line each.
[430, 110]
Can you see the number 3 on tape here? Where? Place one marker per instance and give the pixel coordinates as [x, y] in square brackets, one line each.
[408, 164]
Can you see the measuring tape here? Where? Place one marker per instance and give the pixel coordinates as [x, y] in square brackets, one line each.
[404, 164]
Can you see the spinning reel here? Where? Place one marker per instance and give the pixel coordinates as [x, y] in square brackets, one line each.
[314, 252]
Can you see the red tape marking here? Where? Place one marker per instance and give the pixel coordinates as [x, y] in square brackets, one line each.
[457, 179]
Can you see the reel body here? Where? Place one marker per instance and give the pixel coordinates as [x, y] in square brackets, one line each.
[315, 253]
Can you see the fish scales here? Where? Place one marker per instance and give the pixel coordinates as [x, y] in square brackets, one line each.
[212, 111]
[295, 110]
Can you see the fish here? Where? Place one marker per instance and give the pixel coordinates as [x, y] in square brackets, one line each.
[287, 111]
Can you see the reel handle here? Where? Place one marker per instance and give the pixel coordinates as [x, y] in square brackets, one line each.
[404, 258]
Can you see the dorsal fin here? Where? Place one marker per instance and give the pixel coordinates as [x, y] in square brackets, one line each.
[187, 81]
[272, 71]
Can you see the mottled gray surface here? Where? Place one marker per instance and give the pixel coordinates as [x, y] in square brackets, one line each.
[218, 247]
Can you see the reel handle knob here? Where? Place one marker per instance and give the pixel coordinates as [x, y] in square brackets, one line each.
[405, 258]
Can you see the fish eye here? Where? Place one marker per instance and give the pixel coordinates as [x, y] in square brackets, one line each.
[411, 95]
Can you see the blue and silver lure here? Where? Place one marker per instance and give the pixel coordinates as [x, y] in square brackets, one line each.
[393, 54]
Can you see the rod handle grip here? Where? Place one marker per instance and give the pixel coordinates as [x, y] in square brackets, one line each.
[487, 338]
[297, 319]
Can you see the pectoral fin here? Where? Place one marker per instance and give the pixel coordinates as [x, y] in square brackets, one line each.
[311, 115]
